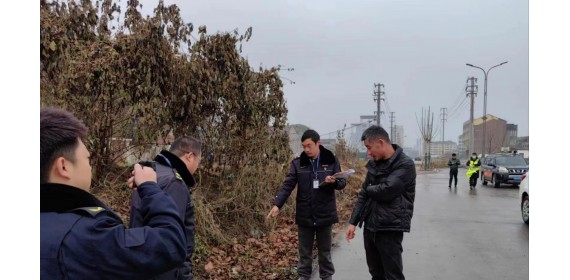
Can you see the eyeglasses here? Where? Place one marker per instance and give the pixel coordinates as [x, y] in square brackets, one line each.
[198, 156]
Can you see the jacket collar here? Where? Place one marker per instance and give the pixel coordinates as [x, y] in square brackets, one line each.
[326, 157]
[62, 198]
[169, 159]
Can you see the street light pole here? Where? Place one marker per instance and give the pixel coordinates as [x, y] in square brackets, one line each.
[485, 101]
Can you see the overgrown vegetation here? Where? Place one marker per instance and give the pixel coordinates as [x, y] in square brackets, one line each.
[134, 79]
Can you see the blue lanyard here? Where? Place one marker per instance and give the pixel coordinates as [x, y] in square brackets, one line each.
[315, 170]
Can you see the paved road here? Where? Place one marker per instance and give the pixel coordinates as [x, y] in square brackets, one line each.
[456, 234]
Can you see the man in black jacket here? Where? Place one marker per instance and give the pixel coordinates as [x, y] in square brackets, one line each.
[385, 204]
[316, 203]
[174, 171]
[453, 164]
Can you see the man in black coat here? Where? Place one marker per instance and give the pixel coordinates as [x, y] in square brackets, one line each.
[453, 164]
[316, 203]
[385, 204]
[174, 169]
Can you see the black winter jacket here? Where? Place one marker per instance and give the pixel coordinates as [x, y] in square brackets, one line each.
[386, 200]
[174, 178]
[453, 164]
[315, 207]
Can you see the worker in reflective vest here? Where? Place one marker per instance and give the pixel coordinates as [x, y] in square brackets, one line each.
[473, 172]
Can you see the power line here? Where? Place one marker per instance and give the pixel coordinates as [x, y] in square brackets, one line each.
[392, 120]
[460, 97]
[384, 115]
[346, 128]
[460, 107]
[387, 105]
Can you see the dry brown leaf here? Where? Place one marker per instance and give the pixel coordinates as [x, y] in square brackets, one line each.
[272, 276]
[209, 267]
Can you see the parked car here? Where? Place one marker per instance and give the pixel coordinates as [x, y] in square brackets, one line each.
[417, 160]
[523, 194]
[503, 168]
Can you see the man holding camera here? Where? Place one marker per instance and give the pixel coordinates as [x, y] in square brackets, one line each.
[80, 236]
[175, 169]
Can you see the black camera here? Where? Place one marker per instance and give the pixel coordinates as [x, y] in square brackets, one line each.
[147, 163]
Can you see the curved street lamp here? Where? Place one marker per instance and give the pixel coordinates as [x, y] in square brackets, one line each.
[485, 101]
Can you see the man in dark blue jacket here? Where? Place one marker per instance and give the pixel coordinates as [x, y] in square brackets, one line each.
[80, 237]
[174, 169]
[385, 204]
[316, 202]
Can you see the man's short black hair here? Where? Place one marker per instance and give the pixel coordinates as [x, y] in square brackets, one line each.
[60, 132]
[186, 144]
[310, 134]
[453, 154]
[374, 133]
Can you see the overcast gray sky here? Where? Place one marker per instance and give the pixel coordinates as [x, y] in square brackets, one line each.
[416, 48]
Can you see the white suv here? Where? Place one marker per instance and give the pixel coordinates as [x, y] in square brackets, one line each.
[523, 194]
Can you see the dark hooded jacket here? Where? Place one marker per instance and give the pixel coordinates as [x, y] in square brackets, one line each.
[174, 178]
[386, 200]
[81, 238]
[315, 207]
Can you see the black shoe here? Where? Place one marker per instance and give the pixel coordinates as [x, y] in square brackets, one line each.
[449, 186]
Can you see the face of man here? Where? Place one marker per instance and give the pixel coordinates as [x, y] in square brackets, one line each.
[453, 157]
[375, 148]
[474, 156]
[311, 148]
[79, 170]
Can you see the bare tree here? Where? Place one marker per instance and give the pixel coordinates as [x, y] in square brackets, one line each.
[426, 129]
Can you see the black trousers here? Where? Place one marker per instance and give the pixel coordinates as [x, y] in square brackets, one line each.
[473, 179]
[384, 254]
[324, 244]
[453, 174]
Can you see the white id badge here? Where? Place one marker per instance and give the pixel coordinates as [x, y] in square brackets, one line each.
[315, 184]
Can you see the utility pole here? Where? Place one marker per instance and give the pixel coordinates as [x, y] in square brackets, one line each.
[443, 119]
[392, 136]
[378, 97]
[471, 89]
